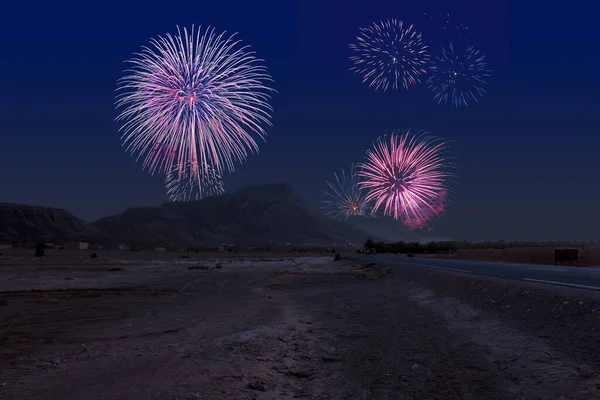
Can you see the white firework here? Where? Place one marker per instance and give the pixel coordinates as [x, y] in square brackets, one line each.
[390, 54]
[197, 95]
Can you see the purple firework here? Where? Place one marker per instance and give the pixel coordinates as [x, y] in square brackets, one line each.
[389, 54]
[458, 75]
[408, 177]
[198, 94]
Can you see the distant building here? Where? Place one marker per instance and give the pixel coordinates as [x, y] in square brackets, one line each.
[278, 248]
[160, 249]
[6, 246]
[232, 248]
[262, 249]
[76, 246]
[207, 248]
[123, 247]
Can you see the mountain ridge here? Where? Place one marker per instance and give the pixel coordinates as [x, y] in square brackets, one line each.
[258, 214]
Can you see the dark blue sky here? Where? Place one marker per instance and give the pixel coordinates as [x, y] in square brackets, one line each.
[527, 152]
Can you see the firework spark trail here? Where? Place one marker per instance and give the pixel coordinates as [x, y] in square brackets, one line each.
[389, 54]
[441, 28]
[343, 197]
[201, 95]
[160, 150]
[408, 176]
[420, 220]
[458, 75]
[190, 182]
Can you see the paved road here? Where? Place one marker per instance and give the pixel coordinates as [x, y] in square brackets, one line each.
[583, 278]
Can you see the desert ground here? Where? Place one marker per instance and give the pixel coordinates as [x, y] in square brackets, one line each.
[246, 326]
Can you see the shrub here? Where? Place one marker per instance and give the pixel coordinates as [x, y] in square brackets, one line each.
[94, 255]
[337, 256]
[40, 250]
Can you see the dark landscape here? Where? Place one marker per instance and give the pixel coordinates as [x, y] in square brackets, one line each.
[301, 316]
[282, 200]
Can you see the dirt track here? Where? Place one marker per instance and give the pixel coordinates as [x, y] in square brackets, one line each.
[302, 328]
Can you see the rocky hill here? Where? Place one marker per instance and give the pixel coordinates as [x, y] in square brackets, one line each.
[25, 223]
[252, 215]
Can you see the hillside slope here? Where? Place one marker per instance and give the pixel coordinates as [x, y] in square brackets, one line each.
[23, 223]
[252, 215]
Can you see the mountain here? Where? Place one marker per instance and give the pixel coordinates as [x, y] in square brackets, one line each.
[253, 215]
[23, 223]
[390, 230]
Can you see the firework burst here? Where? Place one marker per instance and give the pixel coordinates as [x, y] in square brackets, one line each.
[458, 75]
[390, 54]
[190, 182]
[343, 196]
[198, 94]
[408, 177]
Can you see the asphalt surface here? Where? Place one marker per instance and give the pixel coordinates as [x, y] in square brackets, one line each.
[583, 277]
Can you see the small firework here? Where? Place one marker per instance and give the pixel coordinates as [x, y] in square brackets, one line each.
[190, 182]
[198, 94]
[442, 28]
[390, 54]
[458, 75]
[343, 197]
[408, 177]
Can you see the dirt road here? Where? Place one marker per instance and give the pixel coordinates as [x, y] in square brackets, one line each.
[302, 328]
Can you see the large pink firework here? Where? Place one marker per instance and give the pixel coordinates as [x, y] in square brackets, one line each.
[196, 96]
[408, 177]
[389, 54]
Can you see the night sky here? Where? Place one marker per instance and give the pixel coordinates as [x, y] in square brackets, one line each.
[527, 151]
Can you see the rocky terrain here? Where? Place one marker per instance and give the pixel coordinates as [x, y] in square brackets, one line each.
[305, 327]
